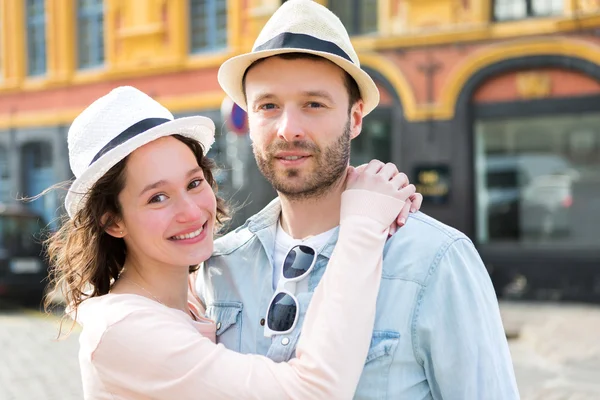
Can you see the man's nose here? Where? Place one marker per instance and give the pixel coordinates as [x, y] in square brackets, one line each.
[290, 125]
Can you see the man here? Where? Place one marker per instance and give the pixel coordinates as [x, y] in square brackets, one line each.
[438, 332]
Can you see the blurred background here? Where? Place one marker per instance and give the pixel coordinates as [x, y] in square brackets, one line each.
[492, 107]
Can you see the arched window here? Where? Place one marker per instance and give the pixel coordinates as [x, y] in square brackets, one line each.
[90, 38]
[208, 25]
[36, 37]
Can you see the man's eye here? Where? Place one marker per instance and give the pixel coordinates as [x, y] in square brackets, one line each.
[195, 183]
[268, 106]
[159, 198]
[314, 104]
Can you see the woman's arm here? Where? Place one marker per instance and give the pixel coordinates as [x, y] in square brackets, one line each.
[170, 359]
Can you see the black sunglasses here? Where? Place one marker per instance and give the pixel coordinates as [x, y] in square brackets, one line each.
[282, 313]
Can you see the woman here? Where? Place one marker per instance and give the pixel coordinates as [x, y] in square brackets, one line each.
[142, 211]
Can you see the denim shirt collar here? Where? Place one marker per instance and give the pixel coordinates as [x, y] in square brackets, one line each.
[263, 225]
[265, 218]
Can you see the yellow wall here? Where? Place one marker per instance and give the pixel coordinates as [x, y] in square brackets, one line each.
[138, 41]
[145, 43]
[151, 37]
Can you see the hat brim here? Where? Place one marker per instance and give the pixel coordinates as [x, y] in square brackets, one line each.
[232, 72]
[199, 128]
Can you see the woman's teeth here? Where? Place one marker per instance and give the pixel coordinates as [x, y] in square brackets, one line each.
[189, 235]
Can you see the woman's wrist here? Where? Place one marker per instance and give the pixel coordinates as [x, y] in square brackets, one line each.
[379, 207]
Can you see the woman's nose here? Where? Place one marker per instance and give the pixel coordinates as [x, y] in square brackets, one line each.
[188, 209]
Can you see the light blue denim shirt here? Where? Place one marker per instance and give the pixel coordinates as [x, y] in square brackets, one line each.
[438, 332]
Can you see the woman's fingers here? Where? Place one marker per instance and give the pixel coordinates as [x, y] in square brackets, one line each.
[417, 201]
[403, 216]
[400, 180]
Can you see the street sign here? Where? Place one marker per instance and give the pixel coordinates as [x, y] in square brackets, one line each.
[236, 119]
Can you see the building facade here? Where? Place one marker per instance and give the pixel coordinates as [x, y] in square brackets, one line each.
[491, 106]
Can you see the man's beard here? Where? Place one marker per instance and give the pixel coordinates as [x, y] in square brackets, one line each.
[329, 166]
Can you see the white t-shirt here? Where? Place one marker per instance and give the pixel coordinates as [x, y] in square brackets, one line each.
[284, 242]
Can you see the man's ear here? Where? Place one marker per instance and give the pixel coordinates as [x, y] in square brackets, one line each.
[356, 119]
[115, 227]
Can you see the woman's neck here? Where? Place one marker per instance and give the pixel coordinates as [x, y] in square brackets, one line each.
[167, 285]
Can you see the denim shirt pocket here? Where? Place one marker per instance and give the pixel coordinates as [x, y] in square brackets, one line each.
[228, 317]
[374, 379]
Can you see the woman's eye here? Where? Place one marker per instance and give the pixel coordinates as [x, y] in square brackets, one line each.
[159, 198]
[195, 183]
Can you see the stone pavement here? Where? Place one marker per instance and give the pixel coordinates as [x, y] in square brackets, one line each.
[33, 365]
[555, 349]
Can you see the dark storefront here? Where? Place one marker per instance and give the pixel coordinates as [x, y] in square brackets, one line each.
[521, 177]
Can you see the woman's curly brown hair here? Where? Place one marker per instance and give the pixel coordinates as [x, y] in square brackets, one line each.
[84, 260]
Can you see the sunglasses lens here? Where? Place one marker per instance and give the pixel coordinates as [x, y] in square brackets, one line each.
[298, 261]
[282, 313]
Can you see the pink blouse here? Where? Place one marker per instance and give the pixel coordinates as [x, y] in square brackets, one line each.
[132, 347]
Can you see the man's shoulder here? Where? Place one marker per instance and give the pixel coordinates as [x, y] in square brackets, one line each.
[417, 246]
[232, 241]
[419, 224]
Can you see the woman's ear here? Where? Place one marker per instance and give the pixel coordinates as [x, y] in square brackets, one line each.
[113, 226]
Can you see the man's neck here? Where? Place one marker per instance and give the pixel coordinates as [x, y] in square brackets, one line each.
[302, 218]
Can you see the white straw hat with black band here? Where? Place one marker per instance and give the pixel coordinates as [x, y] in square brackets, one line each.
[300, 26]
[115, 125]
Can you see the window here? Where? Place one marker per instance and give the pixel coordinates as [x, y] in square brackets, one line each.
[90, 38]
[208, 25]
[507, 10]
[375, 140]
[537, 181]
[19, 233]
[3, 163]
[37, 155]
[4, 175]
[38, 174]
[36, 37]
[358, 16]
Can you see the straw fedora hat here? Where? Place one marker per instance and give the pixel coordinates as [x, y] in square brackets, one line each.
[300, 26]
[115, 125]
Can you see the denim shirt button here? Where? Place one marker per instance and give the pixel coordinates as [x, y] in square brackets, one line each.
[285, 341]
[218, 325]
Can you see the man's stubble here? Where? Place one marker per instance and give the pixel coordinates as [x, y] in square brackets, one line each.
[329, 166]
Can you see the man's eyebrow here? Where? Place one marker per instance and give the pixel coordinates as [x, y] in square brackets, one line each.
[164, 182]
[262, 97]
[318, 93]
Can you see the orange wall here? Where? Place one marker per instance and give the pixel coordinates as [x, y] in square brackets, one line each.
[563, 83]
[412, 63]
[80, 96]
